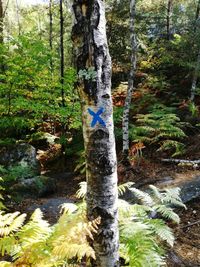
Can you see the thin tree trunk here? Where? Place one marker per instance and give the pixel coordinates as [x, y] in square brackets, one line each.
[90, 42]
[169, 15]
[125, 121]
[197, 66]
[62, 52]
[9, 98]
[195, 78]
[197, 12]
[51, 34]
[18, 18]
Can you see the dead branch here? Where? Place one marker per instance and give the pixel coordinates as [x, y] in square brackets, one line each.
[182, 161]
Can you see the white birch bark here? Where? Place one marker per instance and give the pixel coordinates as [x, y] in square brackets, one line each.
[125, 120]
[90, 42]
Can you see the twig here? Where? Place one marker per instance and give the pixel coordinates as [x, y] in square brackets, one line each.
[190, 224]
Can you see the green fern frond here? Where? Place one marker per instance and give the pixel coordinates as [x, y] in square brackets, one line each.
[7, 245]
[167, 213]
[156, 193]
[161, 126]
[123, 188]
[130, 212]
[140, 246]
[143, 196]
[172, 197]
[162, 230]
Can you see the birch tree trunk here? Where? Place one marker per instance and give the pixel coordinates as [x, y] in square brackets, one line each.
[125, 121]
[94, 68]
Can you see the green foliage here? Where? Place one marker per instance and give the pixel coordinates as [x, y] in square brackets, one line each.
[161, 127]
[138, 245]
[30, 93]
[16, 172]
[81, 163]
[141, 233]
[161, 201]
[193, 109]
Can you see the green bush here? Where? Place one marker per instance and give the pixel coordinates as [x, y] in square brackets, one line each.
[16, 172]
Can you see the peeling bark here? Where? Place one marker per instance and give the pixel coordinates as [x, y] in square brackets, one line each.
[125, 122]
[91, 49]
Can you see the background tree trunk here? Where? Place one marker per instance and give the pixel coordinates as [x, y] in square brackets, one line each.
[62, 52]
[195, 78]
[169, 15]
[51, 34]
[125, 121]
[196, 70]
[90, 42]
[197, 12]
[18, 17]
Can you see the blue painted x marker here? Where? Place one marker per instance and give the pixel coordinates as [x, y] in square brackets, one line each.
[96, 117]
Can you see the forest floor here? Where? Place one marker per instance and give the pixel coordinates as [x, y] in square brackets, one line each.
[186, 251]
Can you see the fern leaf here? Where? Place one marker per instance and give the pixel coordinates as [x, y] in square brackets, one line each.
[167, 213]
[68, 208]
[156, 192]
[172, 197]
[140, 246]
[123, 187]
[10, 222]
[162, 230]
[81, 193]
[144, 197]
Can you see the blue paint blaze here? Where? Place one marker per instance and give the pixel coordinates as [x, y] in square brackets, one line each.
[96, 117]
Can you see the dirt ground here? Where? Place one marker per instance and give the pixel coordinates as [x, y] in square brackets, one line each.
[186, 251]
